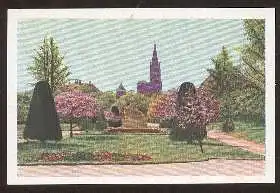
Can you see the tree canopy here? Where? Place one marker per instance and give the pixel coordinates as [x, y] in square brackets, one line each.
[48, 65]
[253, 52]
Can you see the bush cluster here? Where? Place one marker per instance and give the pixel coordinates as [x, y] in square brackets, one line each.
[23, 102]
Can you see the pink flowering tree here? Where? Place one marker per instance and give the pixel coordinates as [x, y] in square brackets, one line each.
[71, 105]
[198, 111]
[195, 108]
[209, 106]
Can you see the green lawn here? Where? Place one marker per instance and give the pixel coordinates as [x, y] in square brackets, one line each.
[64, 126]
[159, 147]
[245, 130]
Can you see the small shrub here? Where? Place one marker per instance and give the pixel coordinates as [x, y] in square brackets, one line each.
[86, 124]
[113, 117]
[115, 123]
[167, 123]
[100, 125]
[228, 126]
[23, 102]
[189, 134]
[22, 113]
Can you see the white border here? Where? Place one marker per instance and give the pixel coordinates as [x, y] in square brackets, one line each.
[210, 13]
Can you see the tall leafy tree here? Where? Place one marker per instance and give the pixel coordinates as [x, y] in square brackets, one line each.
[223, 76]
[253, 52]
[48, 65]
[222, 72]
[250, 100]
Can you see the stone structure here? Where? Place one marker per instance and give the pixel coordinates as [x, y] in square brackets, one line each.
[155, 84]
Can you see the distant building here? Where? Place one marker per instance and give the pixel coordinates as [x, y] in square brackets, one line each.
[120, 91]
[91, 87]
[76, 81]
[155, 84]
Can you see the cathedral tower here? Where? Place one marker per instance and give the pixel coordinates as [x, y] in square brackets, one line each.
[155, 84]
[155, 73]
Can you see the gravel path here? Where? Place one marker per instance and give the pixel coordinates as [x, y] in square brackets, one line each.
[213, 167]
[233, 141]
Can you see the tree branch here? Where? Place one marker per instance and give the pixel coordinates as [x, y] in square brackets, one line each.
[253, 68]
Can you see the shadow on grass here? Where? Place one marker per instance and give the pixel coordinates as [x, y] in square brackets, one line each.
[212, 144]
[31, 145]
[97, 137]
[207, 143]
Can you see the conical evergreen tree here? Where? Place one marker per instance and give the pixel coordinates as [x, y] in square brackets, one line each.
[42, 121]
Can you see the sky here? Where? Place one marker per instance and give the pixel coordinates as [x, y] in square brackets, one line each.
[108, 52]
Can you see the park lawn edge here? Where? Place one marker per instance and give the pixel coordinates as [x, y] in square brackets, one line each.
[262, 158]
[236, 133]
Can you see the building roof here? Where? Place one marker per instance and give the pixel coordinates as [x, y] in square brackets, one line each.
[121, 88]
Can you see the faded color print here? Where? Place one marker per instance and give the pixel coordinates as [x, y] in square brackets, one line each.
[161, 97]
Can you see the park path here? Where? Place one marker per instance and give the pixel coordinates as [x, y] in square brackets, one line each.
[215, 167]
[233, 141]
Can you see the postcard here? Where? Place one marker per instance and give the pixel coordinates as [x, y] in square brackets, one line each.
[141, 96]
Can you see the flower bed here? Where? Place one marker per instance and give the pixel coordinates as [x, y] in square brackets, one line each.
[135, 130]
[96, 156]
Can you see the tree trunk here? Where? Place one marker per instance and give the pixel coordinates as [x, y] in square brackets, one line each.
[71, 131]
[52, 66]
[200, 144]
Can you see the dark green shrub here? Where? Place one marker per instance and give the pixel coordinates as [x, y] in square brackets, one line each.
[228, 125]
[86, 124]
[167, 123]
[189, 134]
[42, 121]
[100, 125]
[115, 123]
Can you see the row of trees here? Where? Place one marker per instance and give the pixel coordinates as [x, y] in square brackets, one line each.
[241, 87]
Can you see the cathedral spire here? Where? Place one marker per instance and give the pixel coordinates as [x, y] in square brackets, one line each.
[155, 51]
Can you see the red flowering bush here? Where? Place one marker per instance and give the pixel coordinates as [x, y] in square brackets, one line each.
[53, 156]
[96, 156]
[103, 156]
